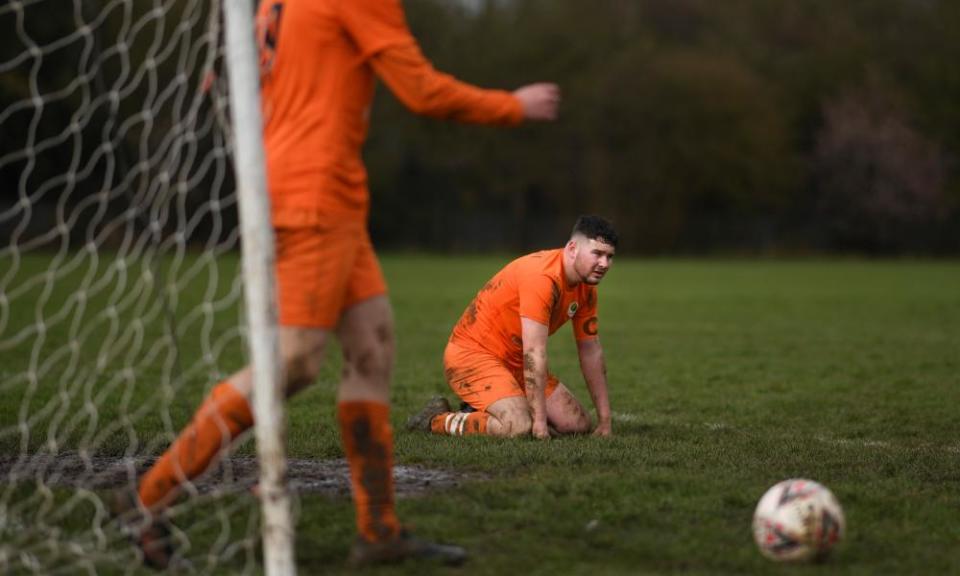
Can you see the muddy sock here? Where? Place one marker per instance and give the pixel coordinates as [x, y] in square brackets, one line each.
[221, 418]
[368, 443]
[460, 423]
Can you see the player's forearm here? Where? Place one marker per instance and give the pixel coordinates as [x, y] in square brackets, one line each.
[535, 380]
[422, 89]
[594, 368]
[598, 392]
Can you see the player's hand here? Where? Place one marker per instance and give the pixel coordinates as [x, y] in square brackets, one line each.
[540, 101]
[603, 429]
[540, 431]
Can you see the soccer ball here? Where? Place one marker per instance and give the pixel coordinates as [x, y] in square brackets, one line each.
[798, 520]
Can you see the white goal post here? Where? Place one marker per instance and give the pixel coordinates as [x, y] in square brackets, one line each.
[131, 168]
[258, 259]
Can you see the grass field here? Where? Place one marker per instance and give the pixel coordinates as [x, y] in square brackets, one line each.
[725, 377]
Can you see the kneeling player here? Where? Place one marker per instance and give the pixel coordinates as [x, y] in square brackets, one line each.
[496, 358]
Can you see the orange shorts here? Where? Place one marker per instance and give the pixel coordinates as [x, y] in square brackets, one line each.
[480, 378]
[322, 270]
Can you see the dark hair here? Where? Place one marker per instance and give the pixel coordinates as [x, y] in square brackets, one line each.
[596, 228]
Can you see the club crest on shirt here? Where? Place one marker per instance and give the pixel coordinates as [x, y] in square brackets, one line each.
[572, 309]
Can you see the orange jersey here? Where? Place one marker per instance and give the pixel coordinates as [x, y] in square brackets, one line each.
[318, 59]
[533, 287]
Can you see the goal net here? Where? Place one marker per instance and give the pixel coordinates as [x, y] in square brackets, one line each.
[121, 298]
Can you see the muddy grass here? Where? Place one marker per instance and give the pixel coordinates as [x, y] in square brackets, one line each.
[329, 477]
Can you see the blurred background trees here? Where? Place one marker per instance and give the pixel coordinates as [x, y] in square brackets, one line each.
[744, 126]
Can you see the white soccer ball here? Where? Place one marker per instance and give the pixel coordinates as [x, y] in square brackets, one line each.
[798, 520]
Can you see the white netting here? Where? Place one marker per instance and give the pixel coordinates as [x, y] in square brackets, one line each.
[119, 285]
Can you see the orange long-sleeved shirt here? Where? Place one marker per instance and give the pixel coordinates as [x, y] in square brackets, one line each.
[318, 62]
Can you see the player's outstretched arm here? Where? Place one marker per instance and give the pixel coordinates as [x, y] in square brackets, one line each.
[594, 369]
[424, 90]
[379, 30]
[534, 335]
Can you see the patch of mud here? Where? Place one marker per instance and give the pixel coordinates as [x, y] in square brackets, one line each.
[329, 477]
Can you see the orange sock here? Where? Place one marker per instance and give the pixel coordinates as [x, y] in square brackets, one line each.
[221, 418]
[368, 442]
[460, 423]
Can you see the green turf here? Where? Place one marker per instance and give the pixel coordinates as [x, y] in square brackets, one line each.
[725, 377]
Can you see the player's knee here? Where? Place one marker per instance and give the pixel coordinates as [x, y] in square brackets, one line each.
[302, 367]
[383, 334]
[370, 358]
[302, 356]
[516, 423]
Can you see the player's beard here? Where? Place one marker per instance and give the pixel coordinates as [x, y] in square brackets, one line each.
[593, 279]
[591, 276]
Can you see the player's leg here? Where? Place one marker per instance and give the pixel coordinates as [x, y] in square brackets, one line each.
[226, 412]
[482, 381]
[366, 336]
[309, 307]
[565, 413]
[509, 417]
[505, 417]
[224, 415]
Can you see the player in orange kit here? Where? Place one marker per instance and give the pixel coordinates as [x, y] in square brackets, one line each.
[496, 358]
[319, 60]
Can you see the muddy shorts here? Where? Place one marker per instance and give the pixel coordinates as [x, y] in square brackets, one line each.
[480, 378]
[322, 270]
